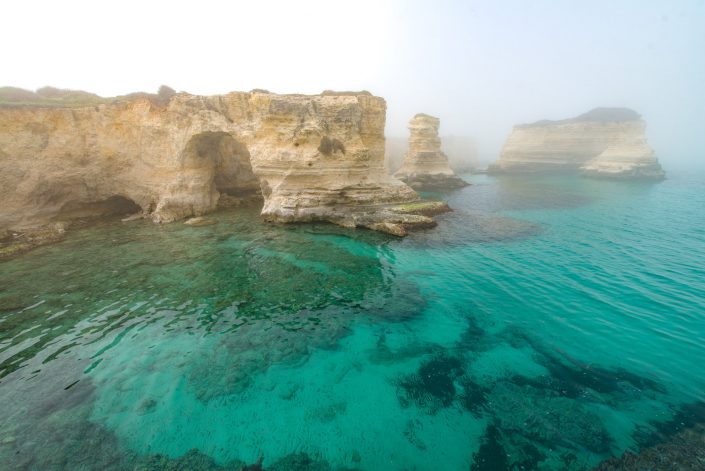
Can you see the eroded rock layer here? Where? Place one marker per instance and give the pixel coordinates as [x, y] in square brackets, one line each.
[310, 157]
[605, 142]
[425, 166]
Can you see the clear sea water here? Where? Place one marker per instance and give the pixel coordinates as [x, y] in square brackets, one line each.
[546, 323]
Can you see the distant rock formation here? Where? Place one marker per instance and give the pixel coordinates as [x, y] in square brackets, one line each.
[425, 166]
[605, 142]
[173, 156]
[461, 151]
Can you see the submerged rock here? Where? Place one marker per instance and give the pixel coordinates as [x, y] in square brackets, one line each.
[425, 166]
[605, 142]
[14, 243]
[200, 221]
[133, 217]
[684, 451]
[545, 417]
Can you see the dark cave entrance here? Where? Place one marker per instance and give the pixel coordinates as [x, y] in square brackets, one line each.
[230, 160]
[112, 207]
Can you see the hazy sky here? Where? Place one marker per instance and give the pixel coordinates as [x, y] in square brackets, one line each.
[481, 66]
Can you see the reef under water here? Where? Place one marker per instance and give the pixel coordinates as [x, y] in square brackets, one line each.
[552, 323]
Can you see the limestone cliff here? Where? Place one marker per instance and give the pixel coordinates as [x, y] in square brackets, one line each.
[310, 157]
[425, 165]
[605, 142]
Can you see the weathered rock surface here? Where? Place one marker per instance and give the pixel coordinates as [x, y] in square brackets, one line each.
[200, 221]
[461, 152]
[311, 158]
[425, 166]
[605, 142]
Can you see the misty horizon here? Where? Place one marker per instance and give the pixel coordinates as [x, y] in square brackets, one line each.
[372, 235]
[480, 67]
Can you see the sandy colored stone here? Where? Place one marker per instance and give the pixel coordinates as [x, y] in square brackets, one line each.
[425, 166]
[200, 221]
[605, 142]
[311, 158]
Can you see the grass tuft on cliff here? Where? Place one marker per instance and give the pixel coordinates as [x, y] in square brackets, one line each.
[49, 96]
[65, 98]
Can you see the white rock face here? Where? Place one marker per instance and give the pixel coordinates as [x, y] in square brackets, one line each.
[317, 157]
[605, 142]
[630, 158]
[425, 165]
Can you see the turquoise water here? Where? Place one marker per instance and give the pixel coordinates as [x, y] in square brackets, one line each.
[546, 323]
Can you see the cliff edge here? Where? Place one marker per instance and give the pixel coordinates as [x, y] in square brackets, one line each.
[311, 158]
[605, 142]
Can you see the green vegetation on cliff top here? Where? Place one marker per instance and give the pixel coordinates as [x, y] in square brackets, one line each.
[65, 98]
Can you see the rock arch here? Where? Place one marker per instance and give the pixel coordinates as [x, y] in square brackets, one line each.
[230, 159]
[113, 206]
[212, 166]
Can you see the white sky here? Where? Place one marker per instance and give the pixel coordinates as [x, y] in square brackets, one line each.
[481, 66]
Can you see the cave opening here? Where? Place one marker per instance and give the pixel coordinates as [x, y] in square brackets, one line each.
[233, 176]
[112, 207]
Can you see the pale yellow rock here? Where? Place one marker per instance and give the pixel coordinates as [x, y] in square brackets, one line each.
[200, 221]
[629, 158]
[425, 166]
[606, 142]
[310, 157]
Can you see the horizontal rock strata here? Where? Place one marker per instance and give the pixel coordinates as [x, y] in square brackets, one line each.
[425, 166]
[311, 158]
[605, 142]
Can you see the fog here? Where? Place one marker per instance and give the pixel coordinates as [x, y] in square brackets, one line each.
[481, 67]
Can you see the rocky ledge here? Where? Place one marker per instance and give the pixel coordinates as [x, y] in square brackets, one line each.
[173, 156]
[605, 142]
[425, 166]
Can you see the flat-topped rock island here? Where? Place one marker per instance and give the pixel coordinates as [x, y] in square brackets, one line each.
[604, 142]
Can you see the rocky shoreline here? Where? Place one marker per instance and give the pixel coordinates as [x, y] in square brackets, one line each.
[174, 156]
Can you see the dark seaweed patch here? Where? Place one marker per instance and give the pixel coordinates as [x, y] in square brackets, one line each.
[192, 460]
[433, 386]
[473, 338]
[304, 462]
[473, 397]
[529, 457]
[686, 416]
[491, 456]
[579, 377]
[572, 378]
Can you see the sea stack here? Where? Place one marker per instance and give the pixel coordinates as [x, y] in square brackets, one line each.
[604, 142]
[425, 166]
